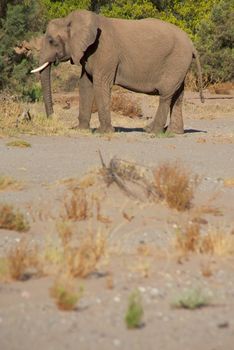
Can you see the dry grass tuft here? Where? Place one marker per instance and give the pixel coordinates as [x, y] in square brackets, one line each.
[11, 124]
[12, 219]
[217, 243]
[213, 242]
[8, 183]
[75, 205]
[21, 258]
[19, 143]
[82, 261]
[174, 185]
[121, 103]
[65, 232]
[64, 292]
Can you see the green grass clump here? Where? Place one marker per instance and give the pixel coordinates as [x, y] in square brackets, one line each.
[191, 299]
[64, 292]
[12, 219]
[134, 314]
[164, 135]
[19, 143]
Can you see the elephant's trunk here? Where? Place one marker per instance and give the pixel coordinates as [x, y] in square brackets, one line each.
[46, 90]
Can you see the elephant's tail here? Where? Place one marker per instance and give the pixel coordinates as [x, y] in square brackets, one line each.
[200, 83]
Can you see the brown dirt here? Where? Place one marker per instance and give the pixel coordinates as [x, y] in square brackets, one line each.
[140, 234]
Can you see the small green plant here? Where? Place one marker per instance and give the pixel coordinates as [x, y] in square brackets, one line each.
[162, 135]
[64, 292]
[191, 299]
[19, 143]
[12, 219]
[134, 314]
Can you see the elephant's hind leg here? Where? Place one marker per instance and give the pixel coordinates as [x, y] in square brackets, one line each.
[159, 122]
[86, 92]
[176, 124]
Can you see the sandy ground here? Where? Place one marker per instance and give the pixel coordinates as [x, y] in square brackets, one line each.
[29, 319]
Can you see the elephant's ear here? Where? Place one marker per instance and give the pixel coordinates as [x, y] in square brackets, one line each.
[82, 32]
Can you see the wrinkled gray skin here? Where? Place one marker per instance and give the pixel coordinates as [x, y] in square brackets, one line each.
[148, 56]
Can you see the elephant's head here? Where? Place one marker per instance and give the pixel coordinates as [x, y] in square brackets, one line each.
[65, 39]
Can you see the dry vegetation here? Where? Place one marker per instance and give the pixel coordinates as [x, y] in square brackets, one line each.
[123, 104]
[175, 185]
[13, 122]
[75, 205]
[19, 143]
[7, 183]
[81, 261]
[23, 261]
[65, 293]
[12, 219]
[213, 242]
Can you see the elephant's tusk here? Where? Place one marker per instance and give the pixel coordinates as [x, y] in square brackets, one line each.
[39, 69]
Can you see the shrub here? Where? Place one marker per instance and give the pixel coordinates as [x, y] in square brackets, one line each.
[76, 205]
[20, 258]
[12, 219]
[64, 292]
[20, 23]
[174, 185]
[134, 9]
[191, 299]
[82, 260]
[213, 242]
[135, 312]
[215, 43]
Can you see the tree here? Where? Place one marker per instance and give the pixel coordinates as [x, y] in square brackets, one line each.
[21, 23]
[215, 43]
[130, 9]
[60, 8]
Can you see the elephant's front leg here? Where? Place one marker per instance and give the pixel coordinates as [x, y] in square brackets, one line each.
[102, 93]
[159, 122]
[86, 92]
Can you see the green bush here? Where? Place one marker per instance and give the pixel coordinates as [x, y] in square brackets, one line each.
[60, 8]
[22, 21]
[130, 9]
[215, 43]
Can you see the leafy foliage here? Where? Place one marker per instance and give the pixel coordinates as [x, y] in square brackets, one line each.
[21, 23]
[130, 9]
[208, 22]
[215, 43]
[60, 8]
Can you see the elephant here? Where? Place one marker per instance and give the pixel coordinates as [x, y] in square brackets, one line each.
[146, 56]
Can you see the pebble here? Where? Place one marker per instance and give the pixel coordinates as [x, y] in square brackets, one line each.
[25, 294]
[117, 299]
[155, 292]
[116, 342]
[142, 289]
